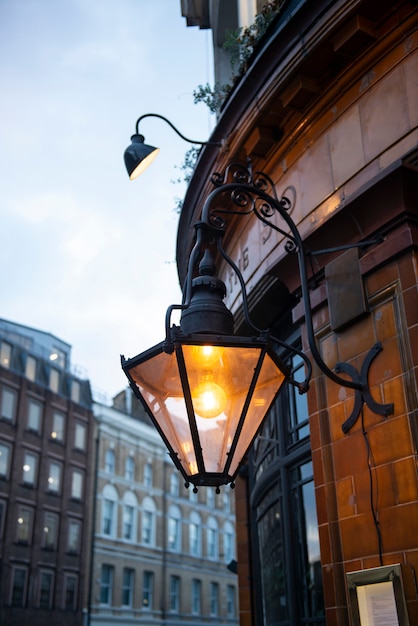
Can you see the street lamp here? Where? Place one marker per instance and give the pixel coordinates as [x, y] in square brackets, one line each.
[207, 391]
[139, 155]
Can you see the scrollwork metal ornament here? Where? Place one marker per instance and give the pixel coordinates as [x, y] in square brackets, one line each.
[241, 192]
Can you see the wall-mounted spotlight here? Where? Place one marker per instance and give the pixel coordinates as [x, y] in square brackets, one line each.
[139, 155]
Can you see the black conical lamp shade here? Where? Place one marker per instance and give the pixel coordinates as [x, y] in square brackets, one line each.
[138, 156]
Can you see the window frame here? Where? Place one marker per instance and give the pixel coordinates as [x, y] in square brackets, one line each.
[106, 585]
[24, 592]
[8, 448]
[45, 574]
[34, 429]
[30, 457]
[51, 479]
[147, 590]
[53, 543]
[128, 587]
[26, 538]
[4, 415]
[65, 605]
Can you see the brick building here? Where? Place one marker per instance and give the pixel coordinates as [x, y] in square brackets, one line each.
[46, 435]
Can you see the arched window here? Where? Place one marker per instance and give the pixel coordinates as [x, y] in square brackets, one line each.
[212, 538]
[109, 511]
[148, 521]
[129, 520]
[229, 542]
[195, 534]
[110, 461]
[174, 528]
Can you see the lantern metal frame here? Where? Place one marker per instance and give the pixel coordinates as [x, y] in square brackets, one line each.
[241, 192]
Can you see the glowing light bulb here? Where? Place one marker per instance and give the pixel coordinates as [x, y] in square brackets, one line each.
[208, 356]
[209, 399]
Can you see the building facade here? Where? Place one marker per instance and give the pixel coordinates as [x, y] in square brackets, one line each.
[161, 551]
[46, 435]
[327, 107]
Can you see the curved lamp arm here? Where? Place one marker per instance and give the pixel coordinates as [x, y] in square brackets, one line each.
[161, 117]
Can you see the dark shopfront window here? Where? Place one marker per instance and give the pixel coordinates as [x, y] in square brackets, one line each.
[287, 569]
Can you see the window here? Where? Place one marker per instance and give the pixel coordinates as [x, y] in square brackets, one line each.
[77, 484]
[212, 538]
[231, 609]
[284, 507]
[229, 542]
[147, 589]
[24, 525]
[19, 581]
[148, 475]
[4, 461]
[50, 531]
[227, 502]
[75, 391]
[108, 517]
[58, 426]
[130, 468]
[54, 380]
[30, 369]
[34, 416]
[106, 584]
[110, 461]
[174, 597]
[214, 599]
[195, 534]
[148, 522]
[80, 436]
[5, 354]
[109, 510]
[70, 592]
[196, 596]
[174, 484]
[29, 468]
[128, 522]
[128, 577]
[174, 529]
[58, 356]
[74, 537]
[8, 404]
[210, 498]
[46, 588]
[54, 477]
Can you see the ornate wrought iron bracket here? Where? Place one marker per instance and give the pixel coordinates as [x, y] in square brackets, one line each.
[363, 395]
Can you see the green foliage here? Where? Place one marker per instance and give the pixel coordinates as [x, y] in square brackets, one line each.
[240, 45]
[187, 169]
[212, 97]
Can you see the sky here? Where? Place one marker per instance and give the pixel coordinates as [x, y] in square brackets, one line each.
[86, 254]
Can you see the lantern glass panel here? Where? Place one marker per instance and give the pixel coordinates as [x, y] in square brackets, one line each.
[158, 381]
[231, 369]
[268, 385]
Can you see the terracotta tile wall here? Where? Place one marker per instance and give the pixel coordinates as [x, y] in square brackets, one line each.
[348, 535]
